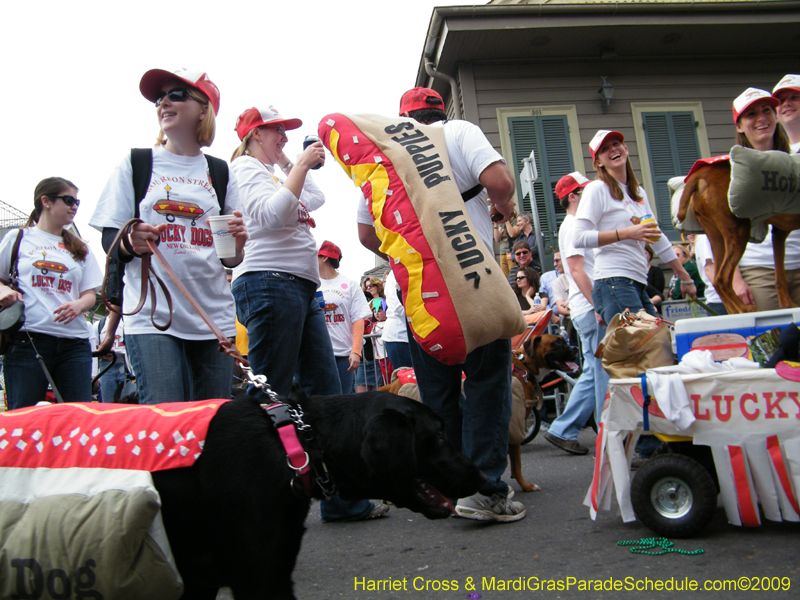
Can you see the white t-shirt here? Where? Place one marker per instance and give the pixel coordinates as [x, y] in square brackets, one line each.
[470, 153]
[344, 304]
[561, 288]
[394, 327]
[186, 243]
[598, 211]
[703, 254]
[49, 276]
[761, 255]
[278, 224]
[794, 148]
[578, 304]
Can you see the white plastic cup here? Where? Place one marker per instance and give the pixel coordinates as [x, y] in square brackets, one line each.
[224, 243]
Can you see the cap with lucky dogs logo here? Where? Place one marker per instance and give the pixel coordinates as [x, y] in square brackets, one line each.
[569, 183]
[789, 82]
[750, 95]
[256, 117]
[153, 82]
[600, 137]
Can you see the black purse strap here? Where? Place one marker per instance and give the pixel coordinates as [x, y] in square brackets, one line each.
[14, 270]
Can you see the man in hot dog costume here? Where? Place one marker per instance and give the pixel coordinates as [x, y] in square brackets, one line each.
[479, 425]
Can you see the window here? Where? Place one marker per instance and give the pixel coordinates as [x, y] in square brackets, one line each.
[671, 137]
[546, 131]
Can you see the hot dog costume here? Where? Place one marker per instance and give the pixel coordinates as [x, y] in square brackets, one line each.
[455, 295]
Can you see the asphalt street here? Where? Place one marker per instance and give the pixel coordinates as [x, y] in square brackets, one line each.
[556, 551]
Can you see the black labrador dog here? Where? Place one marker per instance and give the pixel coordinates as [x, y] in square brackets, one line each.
[233, 519]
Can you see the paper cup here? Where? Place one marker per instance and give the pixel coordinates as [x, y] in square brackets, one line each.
[224, 243]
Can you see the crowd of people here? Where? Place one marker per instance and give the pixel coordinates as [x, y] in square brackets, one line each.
[307, 322]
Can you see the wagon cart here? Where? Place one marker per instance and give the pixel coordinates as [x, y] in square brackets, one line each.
[744, 444]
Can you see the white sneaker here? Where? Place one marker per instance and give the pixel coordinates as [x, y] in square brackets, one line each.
[497, 507]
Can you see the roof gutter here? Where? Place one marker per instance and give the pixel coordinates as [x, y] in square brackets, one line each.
[439, 15]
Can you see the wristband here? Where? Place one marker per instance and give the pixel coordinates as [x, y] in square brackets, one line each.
[287, 167]
[617, 232]
[690, 282]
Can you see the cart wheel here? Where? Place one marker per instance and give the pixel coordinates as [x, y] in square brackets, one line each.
[532, 425]
[673, 495]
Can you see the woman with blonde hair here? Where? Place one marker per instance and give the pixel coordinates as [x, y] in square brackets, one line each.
[58, 279]
[610, 218]
[275, 286]
[185, 187]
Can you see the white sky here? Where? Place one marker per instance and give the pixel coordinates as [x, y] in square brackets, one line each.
[71, 107]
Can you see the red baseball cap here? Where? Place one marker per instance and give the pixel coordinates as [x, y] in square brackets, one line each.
[748, 97]
[256, 117]
[789, 82]
[154, 80]
[419, 98]
[569, 183]
[600, 137]
[330, 250]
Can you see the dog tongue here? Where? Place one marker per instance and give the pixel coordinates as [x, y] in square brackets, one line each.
[572, 366]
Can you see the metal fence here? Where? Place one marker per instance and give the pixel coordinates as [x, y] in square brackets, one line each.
[10, 218]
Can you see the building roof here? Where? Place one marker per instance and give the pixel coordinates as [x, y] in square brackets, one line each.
[638, 2]
[570, 30]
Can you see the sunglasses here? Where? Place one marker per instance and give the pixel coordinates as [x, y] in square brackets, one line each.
[521, 278]
[68, 200]
[368, 286]
[522, 253]
[176, 95]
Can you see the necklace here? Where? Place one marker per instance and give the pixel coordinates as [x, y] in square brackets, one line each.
[643, 546]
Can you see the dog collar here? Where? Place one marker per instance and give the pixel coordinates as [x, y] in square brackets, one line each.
[288, 421]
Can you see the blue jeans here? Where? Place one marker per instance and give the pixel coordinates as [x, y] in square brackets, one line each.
[369, 374]
[169, 369]
[615, 294]
[346, 378]
[287, 332]
[69, 361]
[476, 423]
[111, 380]
[399, 354]
[589, 393]
[717, 307]
[288, 335]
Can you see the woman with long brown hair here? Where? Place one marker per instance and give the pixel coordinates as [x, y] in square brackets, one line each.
[58, 279]
[615, 217]
[757, 127]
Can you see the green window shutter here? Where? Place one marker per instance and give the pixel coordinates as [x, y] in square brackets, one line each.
[548, 137]
[672, 148]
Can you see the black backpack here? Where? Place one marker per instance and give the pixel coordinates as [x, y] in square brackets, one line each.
[142, 167]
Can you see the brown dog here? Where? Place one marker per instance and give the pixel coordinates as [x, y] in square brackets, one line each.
[533, 361]
[706, 192]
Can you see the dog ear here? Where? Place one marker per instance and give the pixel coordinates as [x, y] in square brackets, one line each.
[532, 344]
[388, 445]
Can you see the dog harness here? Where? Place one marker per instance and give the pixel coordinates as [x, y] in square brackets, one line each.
[288, 422]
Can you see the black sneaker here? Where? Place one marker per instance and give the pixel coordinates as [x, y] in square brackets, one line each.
[571, 446]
